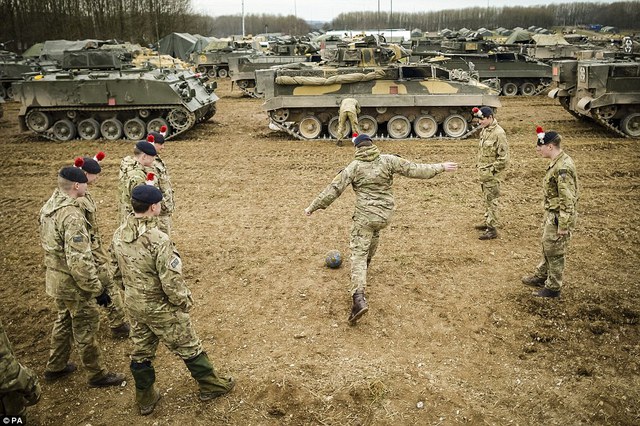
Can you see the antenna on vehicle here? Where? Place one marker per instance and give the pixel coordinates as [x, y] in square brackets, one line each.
[158, 45]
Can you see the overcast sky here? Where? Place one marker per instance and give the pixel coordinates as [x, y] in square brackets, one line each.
[326, 10]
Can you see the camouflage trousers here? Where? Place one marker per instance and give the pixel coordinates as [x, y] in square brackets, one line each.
[77, 322]
[164, 223]
[363, 245]
[554, 247]
[353, 119]
[168, 325]
[490, 195]
[115, 310]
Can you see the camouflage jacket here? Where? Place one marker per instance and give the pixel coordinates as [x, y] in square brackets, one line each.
[350, 105]
[13, 376]
[89, 207]
[371, 177]
[147, 267]
[560, 186]
[71, 271]
[164, 184]
[493, 152]
[131, 174]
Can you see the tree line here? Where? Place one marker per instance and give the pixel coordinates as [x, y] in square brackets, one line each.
[25, 22]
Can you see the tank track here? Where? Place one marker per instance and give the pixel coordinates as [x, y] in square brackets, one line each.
[607, 124]
[248, 91]
[542, 86]
[49, 135]
[293, 131]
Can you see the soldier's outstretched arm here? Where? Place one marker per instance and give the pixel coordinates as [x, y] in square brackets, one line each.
[332, 191]
[420, 170]
[77, 249]
[169, 267]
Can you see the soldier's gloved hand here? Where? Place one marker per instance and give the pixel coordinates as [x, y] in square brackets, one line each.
[104, 299]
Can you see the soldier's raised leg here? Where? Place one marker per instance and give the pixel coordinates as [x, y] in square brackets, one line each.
[361, 237]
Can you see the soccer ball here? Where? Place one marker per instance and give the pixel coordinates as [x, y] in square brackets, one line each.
[333, 259]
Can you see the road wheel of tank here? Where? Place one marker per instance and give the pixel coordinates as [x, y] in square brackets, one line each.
[333, 128]
[38, 121]
[134, 129]
[211, 73]
[111, 129]
[279, 115]
[368, 125]
[64, 130]
[455, 125]
[608, 112]
[202, 69]
[181, 119]
[9, 92]
[223, 73]
[425, 126]
[399, 127]
[89, 129]
[527, 88]
[310, 127]
[509, 89]
[3, 92]
[155, 125]
[243, 84]
[631, 125]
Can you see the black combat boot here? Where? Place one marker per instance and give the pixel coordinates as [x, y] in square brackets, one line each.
[109, 379]
[121, 332]
[146, 394]
[545, 292]
[359, 307]
[55, 375]
[533, 281]
[490, 234]
[481, 227]
[211, 385]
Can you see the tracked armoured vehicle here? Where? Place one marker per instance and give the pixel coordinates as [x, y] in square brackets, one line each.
[97, 95]
[397, 100]
[604, 90]
[12, 68]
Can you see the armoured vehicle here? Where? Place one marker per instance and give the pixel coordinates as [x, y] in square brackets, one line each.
[215, 63]
[605, 90]
[397, 100]
[242, 70]
[12, 67]
[96, 95]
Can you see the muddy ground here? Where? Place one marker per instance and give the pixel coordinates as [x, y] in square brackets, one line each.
[452, 336]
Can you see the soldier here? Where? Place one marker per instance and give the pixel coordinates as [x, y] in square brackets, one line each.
[158, 301]
[72, 280]
[560, 187]
[132, 173]
[164, 181]
[19, 387]
[115, 310]
[371, 176]
[349, 110]
[493, 157]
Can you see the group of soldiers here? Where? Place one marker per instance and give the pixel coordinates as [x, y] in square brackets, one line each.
[82, 274]
[371, 174]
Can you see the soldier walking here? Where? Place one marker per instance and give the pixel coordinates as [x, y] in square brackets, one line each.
[115, 310]
[164, 181]
[370, 175]
[133, 173]
[560, 187]
[72, 281]
[349, 110]
[158, 301]
[19, 386]
[493, 157]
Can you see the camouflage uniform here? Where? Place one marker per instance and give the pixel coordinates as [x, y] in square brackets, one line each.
[560, 186]
[19, 385]
[131, 174]
[157, 302]
[164, 184]
[115, 311]
[72, 280]
[493, 157]
[349, 110]
[371, 176]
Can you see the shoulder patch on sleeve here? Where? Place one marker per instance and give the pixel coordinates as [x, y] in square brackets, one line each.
[175, 264]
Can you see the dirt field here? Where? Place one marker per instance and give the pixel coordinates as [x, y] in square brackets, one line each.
[451, 337]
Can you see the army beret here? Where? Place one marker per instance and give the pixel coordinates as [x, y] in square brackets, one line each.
[482, 112]
[74, 174]
[147, 148]
[147, 194]
[91, 166]
[360, 139]
[545, 137]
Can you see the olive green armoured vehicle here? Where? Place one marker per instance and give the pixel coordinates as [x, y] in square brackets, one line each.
[397, 100]
[606, 91]
[215, 63]
[96, 95]
[12, 68]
